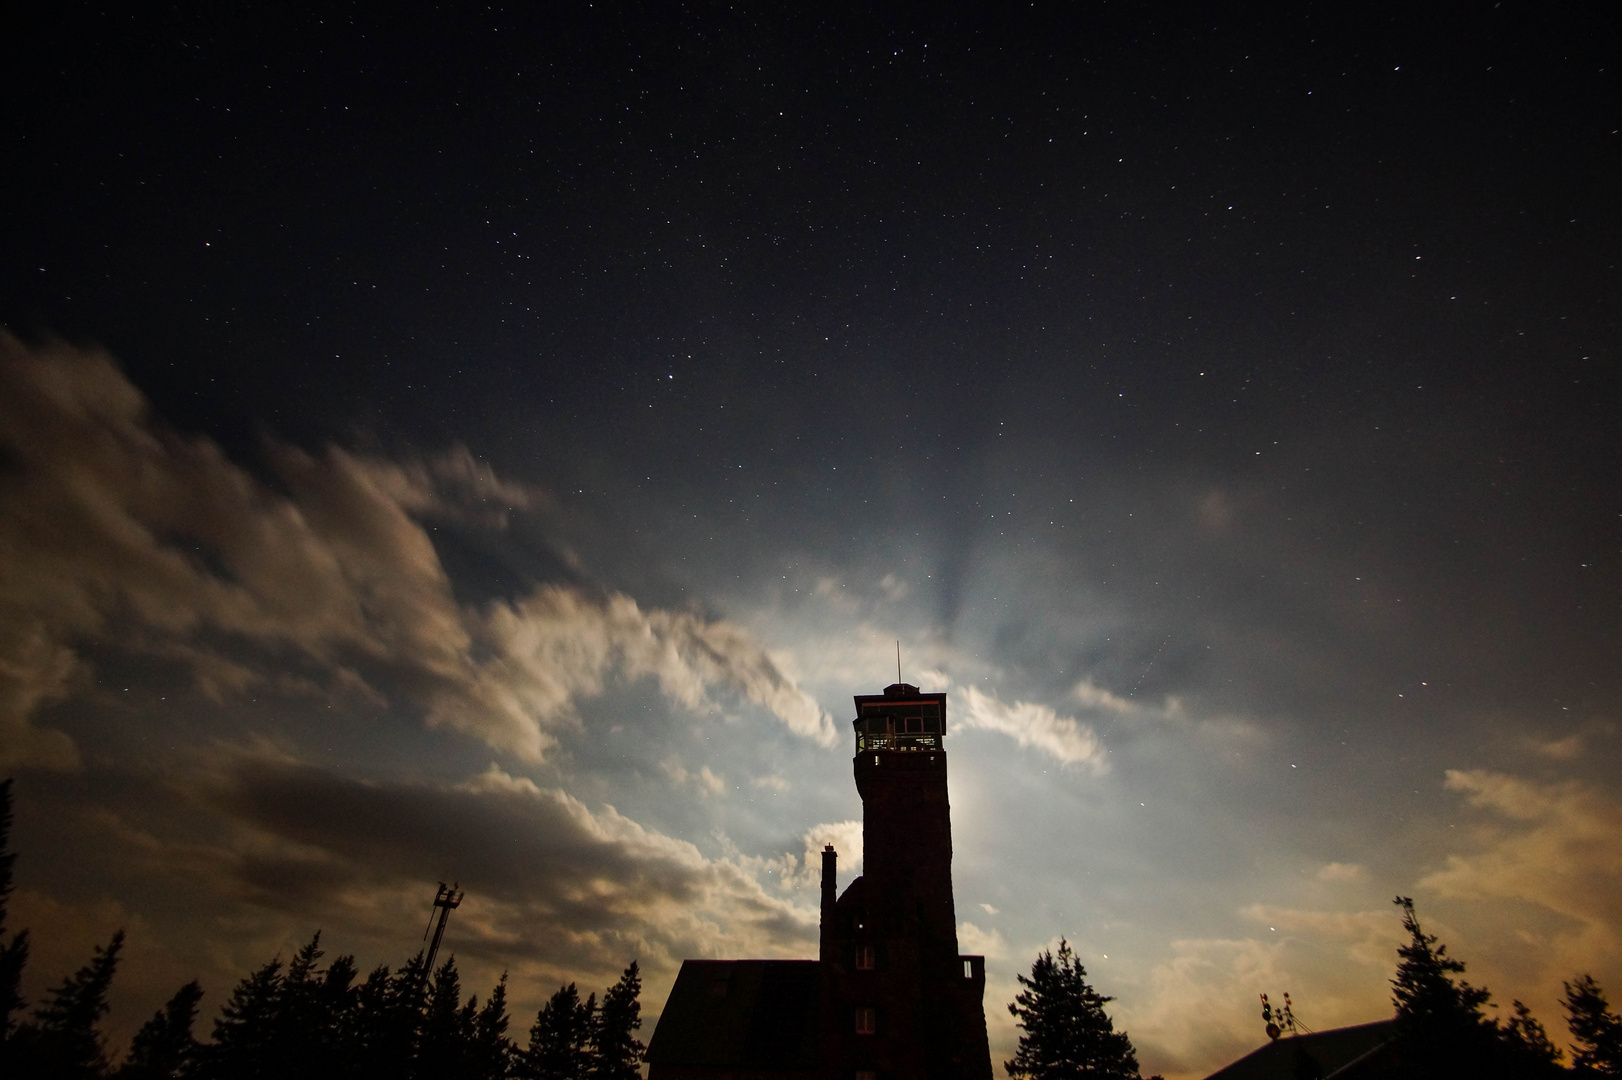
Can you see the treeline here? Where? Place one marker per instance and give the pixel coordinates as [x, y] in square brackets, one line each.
[298, 1018]
[1443, 1029]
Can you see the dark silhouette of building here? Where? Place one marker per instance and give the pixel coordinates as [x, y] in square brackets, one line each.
[1363, 1052]
[889, 997]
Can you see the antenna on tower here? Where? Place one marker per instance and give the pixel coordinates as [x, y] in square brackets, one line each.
[898, 660]
[444, 899]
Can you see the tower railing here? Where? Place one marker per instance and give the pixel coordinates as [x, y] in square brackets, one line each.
[894, 741]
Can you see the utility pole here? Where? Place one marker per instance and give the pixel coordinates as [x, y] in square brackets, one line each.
[445, 899]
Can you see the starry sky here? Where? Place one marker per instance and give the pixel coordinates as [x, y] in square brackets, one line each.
[493, 444]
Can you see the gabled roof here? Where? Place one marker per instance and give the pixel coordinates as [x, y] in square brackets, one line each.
[1320, 1054]
[740, 1014]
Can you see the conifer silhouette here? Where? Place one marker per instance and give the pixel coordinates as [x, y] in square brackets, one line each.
[560, 1038]
[243, 1047]
[62, 1040]
[615, 1051]
[1068, 1036]
[13, 953]
[164, 1048]
[1598, 1030]
[492, 1052]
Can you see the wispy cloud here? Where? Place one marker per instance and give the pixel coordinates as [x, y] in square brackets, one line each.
[1034, 725]
[706, 781]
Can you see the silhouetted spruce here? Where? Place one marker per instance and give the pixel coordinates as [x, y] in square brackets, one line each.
[1440, 1023]
[447, 1026]
[13, 953]
[62, 1041]
[244, 1034]
[560, 1038]
[1598, 1031]
[164, 1048]
[492, 1051]
[615, 1052]
[1527, 1045]
[1068, 1036]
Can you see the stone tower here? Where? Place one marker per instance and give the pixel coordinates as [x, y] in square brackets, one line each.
[899, 1001]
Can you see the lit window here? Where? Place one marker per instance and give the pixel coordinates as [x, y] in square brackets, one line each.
[864, 958]
[968, 969]
[867, 1074]
[866, 1020]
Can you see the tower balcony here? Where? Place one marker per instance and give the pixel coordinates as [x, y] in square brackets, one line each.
[895, 741]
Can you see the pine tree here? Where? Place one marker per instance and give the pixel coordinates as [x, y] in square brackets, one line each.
[370, 1033]
[1067, 1033]
[62, 1040]
[560, 1039]
[164, 1048]
[447, 1027]
[492, 1052]
[1440, 1023]
[615, 1052]
[244, 1046]
[1528, 1044]
[13, 954]
[1598, 1031]
[333, 1003]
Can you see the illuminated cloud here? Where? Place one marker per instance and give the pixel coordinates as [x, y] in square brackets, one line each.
[122, 532]
[706, 781]
[1557, 845]
[1033, 725]
[974, 941]
[554, 878]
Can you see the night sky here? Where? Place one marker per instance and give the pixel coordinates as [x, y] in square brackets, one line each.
[494, 445]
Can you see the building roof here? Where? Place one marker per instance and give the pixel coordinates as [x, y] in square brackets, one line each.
[740, 1014]
[1318, 1054]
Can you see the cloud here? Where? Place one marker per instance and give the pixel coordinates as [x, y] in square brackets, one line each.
[1096, 697]
[554, 878]
[1559, 846]
[120, 532]
[556, 644]
[1035, 726]
[974, 941]
[1562, 749]
[704, 780]
[803, 871]
[1368, 937]
[1338, 871]
[1200, 1005]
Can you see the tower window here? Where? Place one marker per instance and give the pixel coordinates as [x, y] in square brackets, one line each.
[864, 958]
[867, 1021]
[968, 969]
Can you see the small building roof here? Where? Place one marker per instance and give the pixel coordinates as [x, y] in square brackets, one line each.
[1318, 1054]
[744, 1015]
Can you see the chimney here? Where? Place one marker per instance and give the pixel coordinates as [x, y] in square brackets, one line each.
[830, 878]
